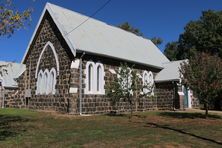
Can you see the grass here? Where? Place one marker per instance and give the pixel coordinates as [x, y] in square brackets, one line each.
[25, 128]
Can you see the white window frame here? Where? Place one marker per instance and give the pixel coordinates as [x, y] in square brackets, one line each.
[94, 79]
[92, 90]
[148, 79]
[46, 85]
[101, 80]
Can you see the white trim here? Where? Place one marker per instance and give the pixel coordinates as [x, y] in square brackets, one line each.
[189, 99]
[101, 77]
[73, 90]
[75, 64]
[112, 71]
[40, 57]
[48, 8]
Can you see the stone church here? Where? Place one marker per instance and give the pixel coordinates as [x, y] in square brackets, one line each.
[68, 67]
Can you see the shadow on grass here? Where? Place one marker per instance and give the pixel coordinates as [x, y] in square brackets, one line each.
[182, 115]
[166, 127]
[114, 114]
[10, 126]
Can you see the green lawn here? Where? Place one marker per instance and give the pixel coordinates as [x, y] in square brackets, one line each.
[25, 128]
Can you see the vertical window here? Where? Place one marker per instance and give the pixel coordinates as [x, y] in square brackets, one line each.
[52, 83]
[99, 71]
[100, 79]
[46, 83]
[90, 78]
[39, 82]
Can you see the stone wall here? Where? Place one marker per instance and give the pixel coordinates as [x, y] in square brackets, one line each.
[165, 96]
[162, 99]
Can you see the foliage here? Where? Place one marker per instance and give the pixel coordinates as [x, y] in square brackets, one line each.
[11, 18]
[171, 51]
[126, 26]
[202, 35]
[203, 74]
[157, 40]
[126, 87]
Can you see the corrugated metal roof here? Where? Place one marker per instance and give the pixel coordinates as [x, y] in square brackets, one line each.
[170, 71]
[100, 38]
[9, 72]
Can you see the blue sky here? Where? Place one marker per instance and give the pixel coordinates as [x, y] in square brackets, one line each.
[161, 18]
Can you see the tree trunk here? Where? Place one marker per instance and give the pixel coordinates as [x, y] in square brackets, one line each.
[206, 110]
[131, 111]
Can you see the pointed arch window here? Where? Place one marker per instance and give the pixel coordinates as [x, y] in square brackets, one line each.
[100, 78]
[52, 83]
[148, 83]
[90, 78]
[94, 78]
[46, 82]
[40, 83]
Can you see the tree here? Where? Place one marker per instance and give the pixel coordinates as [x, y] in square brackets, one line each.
[157, 40]
[126, 87]
[171, 50]
[203, 75]
[126, 26]
[202, 35]
[11, 18]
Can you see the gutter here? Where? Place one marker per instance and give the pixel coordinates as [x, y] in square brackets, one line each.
[170, 80]
[122, 59]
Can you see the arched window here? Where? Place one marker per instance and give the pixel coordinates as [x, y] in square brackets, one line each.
[99, 71]
[148, 82]
[100, 78]
[126, 81]
[94, 78]
[50, 46]
[39, 83]
[90, 78]
[46, 82]
[52, 82]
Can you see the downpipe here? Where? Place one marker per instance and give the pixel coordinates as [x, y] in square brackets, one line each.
[80, 84]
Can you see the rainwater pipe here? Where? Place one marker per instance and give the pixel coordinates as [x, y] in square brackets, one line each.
[80, 85]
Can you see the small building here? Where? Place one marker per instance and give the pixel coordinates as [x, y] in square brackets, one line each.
[69, 65]
[9, 73]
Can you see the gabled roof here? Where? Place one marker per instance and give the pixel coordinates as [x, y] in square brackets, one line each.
[100, 38]
[170, 72]
[10, 71]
